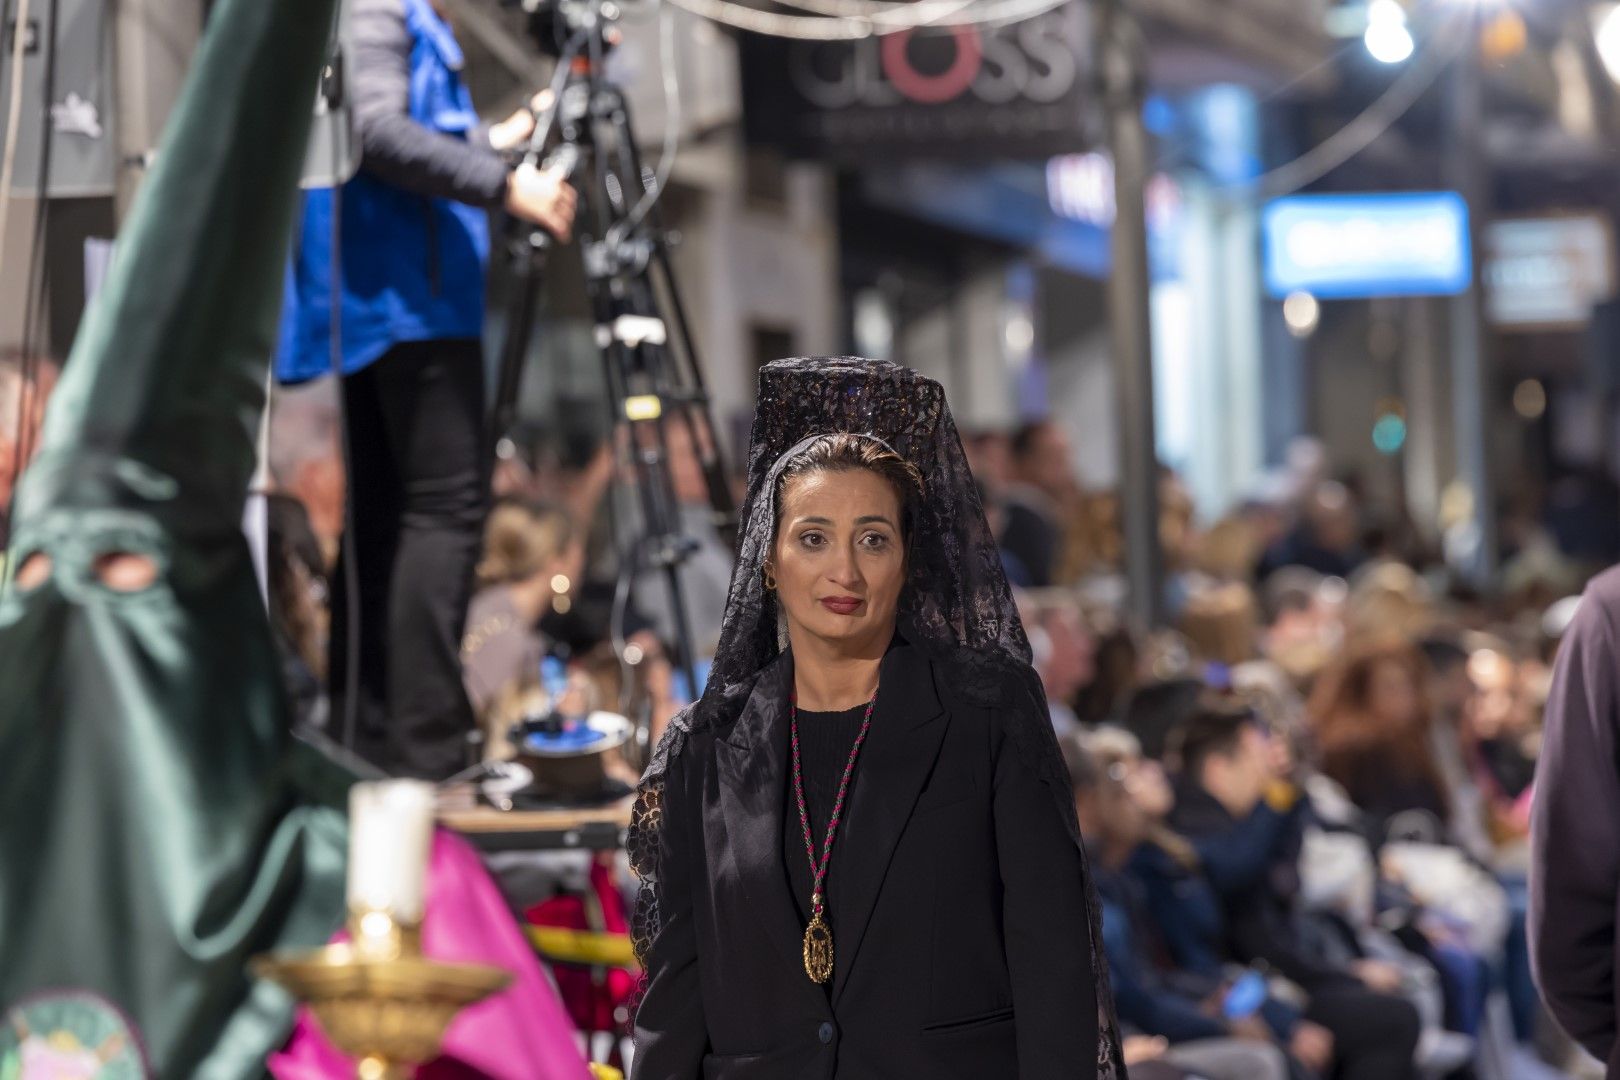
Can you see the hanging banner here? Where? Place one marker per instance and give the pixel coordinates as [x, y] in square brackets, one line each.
[1013, 91]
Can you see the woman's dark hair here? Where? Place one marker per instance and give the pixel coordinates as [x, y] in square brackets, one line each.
[1353, 738]
[848, 452]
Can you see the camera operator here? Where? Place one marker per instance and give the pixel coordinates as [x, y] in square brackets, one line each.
[414, 245]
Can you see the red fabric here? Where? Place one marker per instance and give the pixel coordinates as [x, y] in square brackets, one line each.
[590, 995]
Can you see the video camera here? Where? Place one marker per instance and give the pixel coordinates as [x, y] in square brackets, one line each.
[552, 23]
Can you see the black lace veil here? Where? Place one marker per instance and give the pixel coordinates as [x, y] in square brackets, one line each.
[956, 605]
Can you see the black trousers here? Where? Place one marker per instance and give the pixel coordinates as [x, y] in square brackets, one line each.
[417, 499]
[1374, 1035]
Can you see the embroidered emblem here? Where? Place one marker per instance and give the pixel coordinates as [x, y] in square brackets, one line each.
[69, 1035]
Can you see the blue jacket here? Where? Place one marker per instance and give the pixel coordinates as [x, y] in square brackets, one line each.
[1182, 906]
[1143, 998]
[415, 231]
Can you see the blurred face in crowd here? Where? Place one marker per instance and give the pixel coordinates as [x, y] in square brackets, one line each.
[1108, 814]
[1045, 463]
[1070, 662]
[1147, 786]
[1393, 694]
[1501, 709]
[1452, 692]
[1239, 777]
[839, 558]
[1331, 513]
[990, 457]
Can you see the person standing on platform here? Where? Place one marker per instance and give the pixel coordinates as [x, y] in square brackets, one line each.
[413, 248]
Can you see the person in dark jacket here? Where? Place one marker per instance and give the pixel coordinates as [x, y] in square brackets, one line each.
[414, 242]
[1575, 829]
[1180, 914]
[858, 850]
[1246, 825]
[1201, 1038]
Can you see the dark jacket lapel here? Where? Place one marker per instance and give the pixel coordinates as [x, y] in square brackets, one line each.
[752, 767]
[908, 724]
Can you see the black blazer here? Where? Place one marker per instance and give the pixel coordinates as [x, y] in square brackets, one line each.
[962, 947]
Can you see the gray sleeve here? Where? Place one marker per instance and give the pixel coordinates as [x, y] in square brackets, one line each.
[395, 147]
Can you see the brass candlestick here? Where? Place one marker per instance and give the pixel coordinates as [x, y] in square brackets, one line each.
[377, 997]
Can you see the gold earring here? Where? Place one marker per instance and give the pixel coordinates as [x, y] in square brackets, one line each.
[770, 581]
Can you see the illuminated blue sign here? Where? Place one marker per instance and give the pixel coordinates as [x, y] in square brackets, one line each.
[1350, 246]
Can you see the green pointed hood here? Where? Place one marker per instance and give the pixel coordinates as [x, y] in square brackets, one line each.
[159, 825]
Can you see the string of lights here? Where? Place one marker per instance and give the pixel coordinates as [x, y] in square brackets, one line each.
[1444, 45]
[852, 27]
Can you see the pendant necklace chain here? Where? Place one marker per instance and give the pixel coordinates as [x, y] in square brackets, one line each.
[818, 947]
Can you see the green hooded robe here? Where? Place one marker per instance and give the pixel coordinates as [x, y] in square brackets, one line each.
[159, 825]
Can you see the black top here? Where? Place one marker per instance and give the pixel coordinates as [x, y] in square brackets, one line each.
[825, 740]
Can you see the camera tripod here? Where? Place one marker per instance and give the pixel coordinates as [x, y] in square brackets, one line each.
[648, 354]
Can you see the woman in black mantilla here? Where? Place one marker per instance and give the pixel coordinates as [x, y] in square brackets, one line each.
[858, 853]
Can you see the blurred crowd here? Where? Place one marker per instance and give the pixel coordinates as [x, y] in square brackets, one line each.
[1307, 794]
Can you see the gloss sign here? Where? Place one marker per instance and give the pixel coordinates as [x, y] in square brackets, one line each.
[1015, 91]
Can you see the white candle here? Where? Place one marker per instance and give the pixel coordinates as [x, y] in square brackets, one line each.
[390, 833]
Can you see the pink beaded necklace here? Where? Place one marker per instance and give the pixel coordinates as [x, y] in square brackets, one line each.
[818, 944]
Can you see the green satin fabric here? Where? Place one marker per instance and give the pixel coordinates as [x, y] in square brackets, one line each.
[158, 824]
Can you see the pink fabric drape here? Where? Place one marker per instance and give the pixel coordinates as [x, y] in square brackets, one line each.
[522, 1033]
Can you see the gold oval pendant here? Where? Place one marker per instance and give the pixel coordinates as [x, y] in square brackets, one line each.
[818, 950]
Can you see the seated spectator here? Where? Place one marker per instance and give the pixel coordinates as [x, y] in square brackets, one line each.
[1303, 628]
[1115, 663]
[1228, 550]
[1202, 1039]
[1158, 709]
[1245, 823]
[1032, 502]
[1179, 907]
[1454, 745]
[1221, 624]
[1370, 714]
[1388, 599]
[1326, 539]
[1507, 727]
[532, 560]
[1064, 651]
